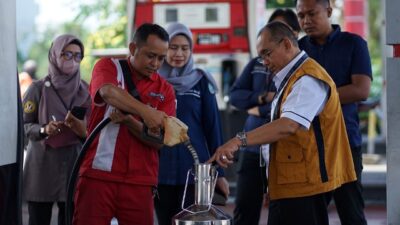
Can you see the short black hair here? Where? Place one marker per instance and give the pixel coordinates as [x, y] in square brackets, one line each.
[325, 2]
[146, 29]
[279, 31]
[288, 16]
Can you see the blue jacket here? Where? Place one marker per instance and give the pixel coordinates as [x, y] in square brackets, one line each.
[254, 81]
[198, 109]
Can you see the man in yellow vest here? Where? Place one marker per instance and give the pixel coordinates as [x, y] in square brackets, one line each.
[310, 153]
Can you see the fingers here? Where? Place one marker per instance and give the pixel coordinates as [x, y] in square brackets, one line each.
[212, 159]
[116, 116]
[154, 119]
[224, 155]
[69, 120]
[224, 161]
[217, 158]
[155, 131]
[53, 128]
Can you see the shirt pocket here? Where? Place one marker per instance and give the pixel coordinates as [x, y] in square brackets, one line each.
[291, 167]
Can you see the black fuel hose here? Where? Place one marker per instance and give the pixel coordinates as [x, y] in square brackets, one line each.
[192, 151]
[69, 206]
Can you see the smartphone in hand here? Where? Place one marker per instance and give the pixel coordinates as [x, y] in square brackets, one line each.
[79, 112]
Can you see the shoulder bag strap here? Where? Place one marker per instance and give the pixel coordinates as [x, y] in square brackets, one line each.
[128, 79]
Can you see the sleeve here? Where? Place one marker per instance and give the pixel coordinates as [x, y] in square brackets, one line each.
[265, 110]
[306, 100]
[361, 61]
[211, 120]
[104, 72]
[242, 94]
[30, 115]
[169, 104]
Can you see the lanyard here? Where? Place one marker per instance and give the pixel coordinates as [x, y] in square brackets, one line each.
[283, 84]
[59, 97]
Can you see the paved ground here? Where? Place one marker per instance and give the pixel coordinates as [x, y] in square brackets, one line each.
[376, 214]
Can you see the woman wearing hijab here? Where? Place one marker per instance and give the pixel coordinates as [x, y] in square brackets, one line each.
[197, 107]
[54, 133]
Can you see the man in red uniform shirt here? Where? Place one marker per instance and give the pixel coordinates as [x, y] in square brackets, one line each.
[120, 168]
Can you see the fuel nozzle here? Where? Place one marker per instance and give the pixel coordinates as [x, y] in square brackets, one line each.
[176, 132]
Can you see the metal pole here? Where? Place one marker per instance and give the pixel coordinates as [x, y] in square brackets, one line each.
[393, 112]
[371, 131]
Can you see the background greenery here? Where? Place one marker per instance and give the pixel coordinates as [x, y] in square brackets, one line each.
[111, 26]
[110, 32]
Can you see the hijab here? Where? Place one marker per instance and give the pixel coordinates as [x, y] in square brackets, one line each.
[186, 77]
[70, 88]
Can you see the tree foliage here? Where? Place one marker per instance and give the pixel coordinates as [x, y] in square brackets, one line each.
[100, 24]
[374, 45]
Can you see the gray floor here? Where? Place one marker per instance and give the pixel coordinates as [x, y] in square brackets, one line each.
[376, 215]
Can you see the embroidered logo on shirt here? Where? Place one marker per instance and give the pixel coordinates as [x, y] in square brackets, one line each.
[29, 107]
[157, 95]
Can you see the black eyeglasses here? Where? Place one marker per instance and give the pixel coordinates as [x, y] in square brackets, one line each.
[267, 53]
[68, 55]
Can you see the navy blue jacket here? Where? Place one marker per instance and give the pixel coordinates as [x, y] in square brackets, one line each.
[254, 81]
[342, 55]
[198, 109]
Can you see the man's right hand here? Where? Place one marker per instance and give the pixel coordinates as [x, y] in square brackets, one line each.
[154, 119]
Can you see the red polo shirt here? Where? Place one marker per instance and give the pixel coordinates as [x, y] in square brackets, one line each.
[116, 154]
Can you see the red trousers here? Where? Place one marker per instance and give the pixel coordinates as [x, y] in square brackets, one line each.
[98, 201]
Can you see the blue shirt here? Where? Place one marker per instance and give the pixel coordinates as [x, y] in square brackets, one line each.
[254, 81]
[343, 55]
[198, 109]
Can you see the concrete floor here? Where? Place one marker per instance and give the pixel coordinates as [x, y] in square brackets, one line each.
[375, 213]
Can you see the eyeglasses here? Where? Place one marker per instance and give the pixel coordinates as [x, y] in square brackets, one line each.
[68, 55]
[265, 53]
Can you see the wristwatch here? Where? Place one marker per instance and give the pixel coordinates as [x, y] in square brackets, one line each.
[42, 131]
[243, 138]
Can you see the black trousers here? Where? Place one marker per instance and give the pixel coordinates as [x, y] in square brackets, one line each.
[40, 213]
[251, 186]
[310, 210]
[348, 198]
[168, 202]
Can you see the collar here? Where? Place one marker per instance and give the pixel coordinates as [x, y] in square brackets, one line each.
[335, 32]
[278, 78]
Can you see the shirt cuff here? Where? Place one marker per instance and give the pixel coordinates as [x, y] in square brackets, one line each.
[265, 111]
[297, 118]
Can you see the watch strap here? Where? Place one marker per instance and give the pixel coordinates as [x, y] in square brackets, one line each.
[42, 131]
[243, 138]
